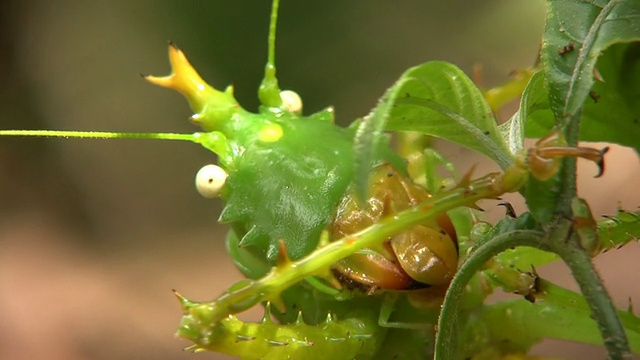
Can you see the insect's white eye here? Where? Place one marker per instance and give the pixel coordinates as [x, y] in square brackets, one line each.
[291, 101]
[209, 180]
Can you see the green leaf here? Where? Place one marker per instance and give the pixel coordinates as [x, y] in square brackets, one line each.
[612, 115]
[513, 129]
[560, 314]
[367, 139]
[438, 99]
[587, 27]
[541, 196]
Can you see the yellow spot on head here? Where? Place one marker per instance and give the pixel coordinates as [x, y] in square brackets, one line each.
[270, 133]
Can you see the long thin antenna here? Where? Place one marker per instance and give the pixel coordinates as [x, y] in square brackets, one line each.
[269, 91]
[100, 135]
[271, 59]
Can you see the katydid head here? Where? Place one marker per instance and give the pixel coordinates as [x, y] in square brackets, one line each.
[227, 129]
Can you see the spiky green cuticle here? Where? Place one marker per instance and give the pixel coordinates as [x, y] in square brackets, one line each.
[281, 174]
[351, 338]
[276, 156]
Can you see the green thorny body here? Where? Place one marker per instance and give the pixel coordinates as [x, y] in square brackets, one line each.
[300, 168]
[289, 177]
[286, 176]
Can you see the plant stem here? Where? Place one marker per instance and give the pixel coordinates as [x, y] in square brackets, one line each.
[446, 346]
[566, 244]
[594, 292]
[287, 273]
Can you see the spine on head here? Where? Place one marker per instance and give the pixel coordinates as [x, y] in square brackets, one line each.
[212, 107]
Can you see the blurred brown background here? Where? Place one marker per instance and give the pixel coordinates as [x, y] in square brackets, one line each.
[95, 234]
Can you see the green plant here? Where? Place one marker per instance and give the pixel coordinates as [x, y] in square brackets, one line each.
[280, 200]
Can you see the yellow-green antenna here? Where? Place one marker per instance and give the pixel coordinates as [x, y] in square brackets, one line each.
[100, 135]
[269, 91]
[213, 140]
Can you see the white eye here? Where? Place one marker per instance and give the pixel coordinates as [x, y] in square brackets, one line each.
[291, 101]
[209, 180]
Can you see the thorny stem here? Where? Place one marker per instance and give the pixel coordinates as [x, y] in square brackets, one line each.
[288, 273]
[566, 244]
[568, 170]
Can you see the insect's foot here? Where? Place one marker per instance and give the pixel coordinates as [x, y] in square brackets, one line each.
[510, 211]
[600, 161]
[544, 158]
[591, 154]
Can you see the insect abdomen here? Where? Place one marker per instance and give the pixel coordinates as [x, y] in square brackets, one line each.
[352, 338]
